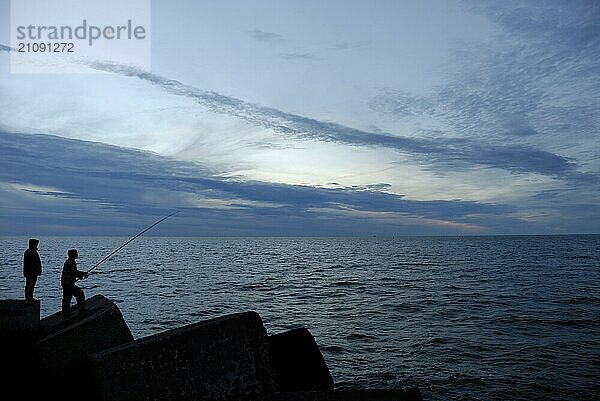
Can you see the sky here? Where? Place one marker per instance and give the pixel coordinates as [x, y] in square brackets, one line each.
[312, 118]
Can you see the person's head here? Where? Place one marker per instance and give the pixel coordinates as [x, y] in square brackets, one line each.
[33, 243]
[72, 253]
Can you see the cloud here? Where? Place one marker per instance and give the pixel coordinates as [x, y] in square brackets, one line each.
[111, 180]
[570, 28]
[525, 102]
[264, 36]
[300, 56]
[517, 101]
[545, 67]
[462, 103]
[515, 158]
[402, 104]
[343, 46]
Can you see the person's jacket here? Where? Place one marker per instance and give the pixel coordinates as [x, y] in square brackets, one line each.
[32, 265]
[70, 274]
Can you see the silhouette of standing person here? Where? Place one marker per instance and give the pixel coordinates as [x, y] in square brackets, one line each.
[32, 268]
[69, 277]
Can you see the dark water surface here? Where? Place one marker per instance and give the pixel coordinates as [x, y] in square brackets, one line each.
[463, 318]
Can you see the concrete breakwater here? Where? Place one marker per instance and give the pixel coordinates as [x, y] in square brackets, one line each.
[94, 356]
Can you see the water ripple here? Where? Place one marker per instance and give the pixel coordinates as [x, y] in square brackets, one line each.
[474, 318]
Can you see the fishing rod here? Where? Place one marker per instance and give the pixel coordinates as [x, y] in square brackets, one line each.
[129, 240]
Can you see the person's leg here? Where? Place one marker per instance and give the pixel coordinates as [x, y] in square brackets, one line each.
[66, 300]
[29, 286]
[33, 282]
[80, 297]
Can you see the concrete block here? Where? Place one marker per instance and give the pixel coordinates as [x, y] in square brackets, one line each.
[298, 362]
[226, 358]
[19, 320]
[65, 343]
[19, 324]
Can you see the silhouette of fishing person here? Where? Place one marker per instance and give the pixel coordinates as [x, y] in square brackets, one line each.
[69, 277]
[32, 268]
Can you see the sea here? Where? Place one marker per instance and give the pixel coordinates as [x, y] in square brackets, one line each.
[462, 318]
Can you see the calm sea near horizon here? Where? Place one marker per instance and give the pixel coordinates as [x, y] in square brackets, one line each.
[462, 318]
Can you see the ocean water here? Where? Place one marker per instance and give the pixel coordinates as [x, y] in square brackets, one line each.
[462, 318]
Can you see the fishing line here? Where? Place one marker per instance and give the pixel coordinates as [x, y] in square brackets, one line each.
[129, 240]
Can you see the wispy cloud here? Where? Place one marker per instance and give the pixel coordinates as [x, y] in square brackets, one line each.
[526, 96]
[343, 46]
[525, 102]
[516, 158]
[102, 175]
[570, 28]
[264, 36]
[300, 56]
[466, 112]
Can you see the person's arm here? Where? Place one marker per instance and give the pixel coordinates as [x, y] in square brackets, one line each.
[81, 275]
[38, 263]
[26, 262]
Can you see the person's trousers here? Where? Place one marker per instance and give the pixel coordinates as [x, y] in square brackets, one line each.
[29, 287]
[68, 292]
